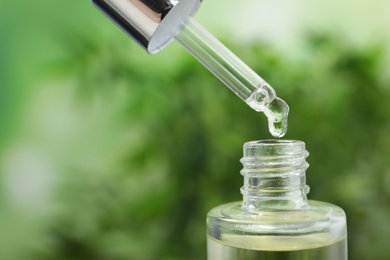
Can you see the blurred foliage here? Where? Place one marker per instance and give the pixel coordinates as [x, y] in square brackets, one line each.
[114, 154]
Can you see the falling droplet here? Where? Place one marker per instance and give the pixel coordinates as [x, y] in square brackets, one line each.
[277, 114]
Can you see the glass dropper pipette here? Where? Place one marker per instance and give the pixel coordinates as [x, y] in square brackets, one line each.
[235, 74]
[155, 23]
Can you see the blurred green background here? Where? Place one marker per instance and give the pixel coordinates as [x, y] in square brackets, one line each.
[109, 153]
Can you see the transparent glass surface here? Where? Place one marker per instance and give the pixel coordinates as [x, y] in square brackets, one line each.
[275, 220]
[231, 227]
[235, 74]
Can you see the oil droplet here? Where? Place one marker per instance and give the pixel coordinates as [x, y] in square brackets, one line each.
[277, 114]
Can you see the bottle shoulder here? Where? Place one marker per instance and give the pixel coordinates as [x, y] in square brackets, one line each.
[316, 210]
[319, 223]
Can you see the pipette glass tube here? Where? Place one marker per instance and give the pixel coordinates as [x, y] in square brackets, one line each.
[235, 74]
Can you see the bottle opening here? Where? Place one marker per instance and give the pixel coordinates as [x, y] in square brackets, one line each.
[274, 147]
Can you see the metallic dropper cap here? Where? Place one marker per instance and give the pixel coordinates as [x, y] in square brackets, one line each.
[152, 23]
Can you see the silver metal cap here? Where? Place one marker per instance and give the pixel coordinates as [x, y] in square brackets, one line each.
[152, 23]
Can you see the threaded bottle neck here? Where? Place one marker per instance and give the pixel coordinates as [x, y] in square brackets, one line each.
[274, 175]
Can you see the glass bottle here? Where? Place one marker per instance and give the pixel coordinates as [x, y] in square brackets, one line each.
[275, 220]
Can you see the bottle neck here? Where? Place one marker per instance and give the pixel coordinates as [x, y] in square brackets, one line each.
[274, 175]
